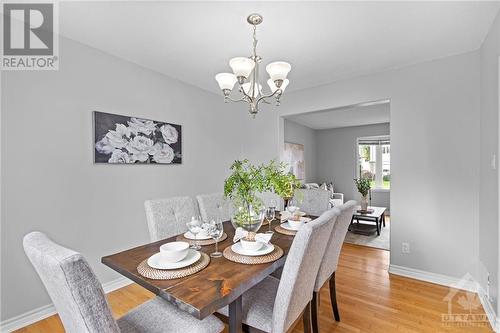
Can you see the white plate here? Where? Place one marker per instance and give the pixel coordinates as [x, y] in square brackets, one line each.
[189, 235]
[265, 249]
[157, 262]
[287, 226]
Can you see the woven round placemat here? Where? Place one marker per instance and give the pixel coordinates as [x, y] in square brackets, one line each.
[284, 231]
[169, 274]
[201, 242]
[229, 254]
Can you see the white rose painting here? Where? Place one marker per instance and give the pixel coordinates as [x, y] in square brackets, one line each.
[132, 140]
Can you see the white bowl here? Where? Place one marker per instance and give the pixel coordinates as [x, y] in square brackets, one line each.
[174, 251]
[203, 234]
[250, 246]
[296, 224]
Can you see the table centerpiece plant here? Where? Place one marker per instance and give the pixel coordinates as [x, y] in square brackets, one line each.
[242, 186]
[280, 181]
[363, 185]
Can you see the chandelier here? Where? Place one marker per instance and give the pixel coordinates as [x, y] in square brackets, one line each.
[246, 73]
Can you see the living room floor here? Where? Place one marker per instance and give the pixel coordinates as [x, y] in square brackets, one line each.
[379, 242]
[370, 300]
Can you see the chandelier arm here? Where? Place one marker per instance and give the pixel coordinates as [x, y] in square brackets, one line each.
[242, 99]
[263, 98]
[245, 94]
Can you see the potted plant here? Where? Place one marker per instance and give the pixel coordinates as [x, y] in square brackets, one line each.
[279, 181]
[241, 187]
[363, 185]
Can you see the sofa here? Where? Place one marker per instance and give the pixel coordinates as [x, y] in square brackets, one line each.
[336, 199]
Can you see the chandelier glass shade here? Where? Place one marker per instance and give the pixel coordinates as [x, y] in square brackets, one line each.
[246, 74]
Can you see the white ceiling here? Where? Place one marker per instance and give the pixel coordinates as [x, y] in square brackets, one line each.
[324, 41]
[355, 115]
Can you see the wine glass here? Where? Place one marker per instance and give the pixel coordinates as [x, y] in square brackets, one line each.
[270, 213]
[194, 227]
[216, 231]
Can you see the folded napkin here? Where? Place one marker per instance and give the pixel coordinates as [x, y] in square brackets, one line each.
[242, 233]
[286, 215]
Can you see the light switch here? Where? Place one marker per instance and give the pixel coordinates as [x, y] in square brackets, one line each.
[494, 161]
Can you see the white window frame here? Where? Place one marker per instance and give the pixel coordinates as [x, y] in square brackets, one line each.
[379, 153]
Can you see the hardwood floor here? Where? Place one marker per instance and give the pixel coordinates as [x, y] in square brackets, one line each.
[369, 298]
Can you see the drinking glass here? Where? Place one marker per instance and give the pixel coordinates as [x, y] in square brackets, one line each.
[216, 232]
[194, 227]
[270, 213]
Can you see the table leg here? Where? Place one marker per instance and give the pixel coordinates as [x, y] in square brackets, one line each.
[235, 316]
[383, 218]
[378, 226]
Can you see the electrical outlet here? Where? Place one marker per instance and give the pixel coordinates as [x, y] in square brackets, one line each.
[405, 248]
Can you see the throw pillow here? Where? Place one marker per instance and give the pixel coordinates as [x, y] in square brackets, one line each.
[331, 189]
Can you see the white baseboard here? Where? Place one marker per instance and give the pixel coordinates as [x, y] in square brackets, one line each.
[116, 284]
[433, 278]
[27, 318]
[488, 308]
[452, 282]
[48, 310]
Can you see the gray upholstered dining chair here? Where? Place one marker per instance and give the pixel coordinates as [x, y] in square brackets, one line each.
[82, 306]
[168, 217]
[267, 197]
[330, 262]
[312, 201]
[274, 305]
[214, 205]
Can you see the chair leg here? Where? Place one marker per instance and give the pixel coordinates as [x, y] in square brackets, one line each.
[333, 298]
[314, 312]
[307, 318]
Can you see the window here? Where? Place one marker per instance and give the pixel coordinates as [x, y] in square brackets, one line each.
[374, 161]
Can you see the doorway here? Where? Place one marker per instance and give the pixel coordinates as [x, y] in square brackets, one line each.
[343, 144]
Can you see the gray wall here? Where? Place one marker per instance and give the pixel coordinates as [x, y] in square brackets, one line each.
[488, 194]
[49, 182]
[434, 125]
[336, 159]
[297, 133]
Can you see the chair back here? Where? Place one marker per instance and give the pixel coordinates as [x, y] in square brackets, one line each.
[267, 197]
[300, 270]
[313, 202]
[214, 205]
[71, 284]
[168, 217]
[331, 258]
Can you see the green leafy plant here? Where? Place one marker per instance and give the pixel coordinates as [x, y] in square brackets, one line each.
[278, 180]
[241, 186]
[246, 180]
[363, 185]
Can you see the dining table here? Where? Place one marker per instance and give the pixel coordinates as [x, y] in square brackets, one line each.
[222, 283]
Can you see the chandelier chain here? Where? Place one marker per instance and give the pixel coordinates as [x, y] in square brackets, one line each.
[255, 41]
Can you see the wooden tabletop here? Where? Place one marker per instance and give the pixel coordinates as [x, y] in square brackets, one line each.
[377, 212]
[203, 293]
